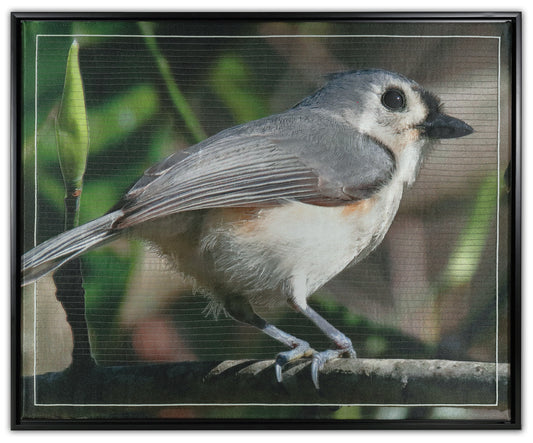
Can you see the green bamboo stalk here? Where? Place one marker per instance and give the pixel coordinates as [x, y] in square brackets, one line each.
[72, 137]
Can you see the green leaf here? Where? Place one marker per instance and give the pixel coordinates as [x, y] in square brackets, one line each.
[72, 129]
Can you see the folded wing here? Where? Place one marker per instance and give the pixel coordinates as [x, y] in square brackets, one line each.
[254, 171]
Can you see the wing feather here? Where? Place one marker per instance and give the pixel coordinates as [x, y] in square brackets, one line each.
[259, 169]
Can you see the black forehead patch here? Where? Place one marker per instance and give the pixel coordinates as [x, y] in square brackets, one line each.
[432, 102]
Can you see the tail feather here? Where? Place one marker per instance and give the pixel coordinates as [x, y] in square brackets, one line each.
[52, 253]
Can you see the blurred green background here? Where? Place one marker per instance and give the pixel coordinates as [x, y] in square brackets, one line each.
[429, 291]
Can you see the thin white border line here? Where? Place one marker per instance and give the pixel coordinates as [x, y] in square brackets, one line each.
[498, 221]
[35, 195]
[437, 405]
[273, 36]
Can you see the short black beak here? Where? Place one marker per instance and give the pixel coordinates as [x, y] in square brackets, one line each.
[443, 126]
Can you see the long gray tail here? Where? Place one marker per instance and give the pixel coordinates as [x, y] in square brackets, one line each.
[52, 253]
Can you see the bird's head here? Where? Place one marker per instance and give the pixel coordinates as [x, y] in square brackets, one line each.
[388, 107]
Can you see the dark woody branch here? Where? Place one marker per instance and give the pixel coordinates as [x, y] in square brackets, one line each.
[342, 381]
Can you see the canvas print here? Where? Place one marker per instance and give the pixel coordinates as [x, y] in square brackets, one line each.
[266, 220]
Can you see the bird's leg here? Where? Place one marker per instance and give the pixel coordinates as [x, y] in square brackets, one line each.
[343, 343]
[240, 309]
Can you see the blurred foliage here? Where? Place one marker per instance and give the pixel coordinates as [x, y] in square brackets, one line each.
[181, 104]
[466, 256]
[104, 298]
[232, 82]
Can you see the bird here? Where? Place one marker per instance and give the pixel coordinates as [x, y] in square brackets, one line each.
[267, 212]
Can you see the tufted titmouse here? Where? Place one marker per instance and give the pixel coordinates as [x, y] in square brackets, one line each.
[269, 211]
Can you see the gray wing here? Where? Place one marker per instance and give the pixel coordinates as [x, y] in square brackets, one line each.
[254, 170]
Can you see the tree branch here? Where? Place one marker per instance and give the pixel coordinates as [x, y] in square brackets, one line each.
[342, 381]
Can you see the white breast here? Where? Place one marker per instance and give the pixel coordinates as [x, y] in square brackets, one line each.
[294, 249]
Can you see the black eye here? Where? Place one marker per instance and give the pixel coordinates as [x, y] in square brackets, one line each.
[393, 99]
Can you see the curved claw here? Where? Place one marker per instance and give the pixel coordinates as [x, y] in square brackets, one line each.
[279, 375]
[321, 358]
[315, 367]
[301, 349]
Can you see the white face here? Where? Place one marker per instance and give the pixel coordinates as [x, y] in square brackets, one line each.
[390, 113]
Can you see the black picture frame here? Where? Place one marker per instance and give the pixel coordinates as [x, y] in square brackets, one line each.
[38, 419]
